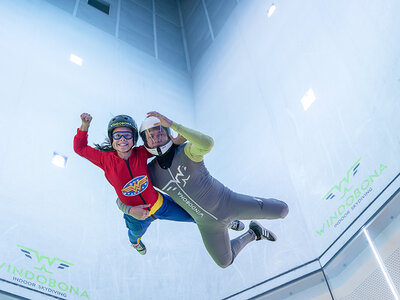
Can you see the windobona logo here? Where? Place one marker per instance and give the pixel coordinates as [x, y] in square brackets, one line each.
[40, 278]
[44, 260]
[342, 187]
[350, 192]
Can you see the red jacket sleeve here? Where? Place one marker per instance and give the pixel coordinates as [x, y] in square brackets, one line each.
[81, 147]
[146, 153]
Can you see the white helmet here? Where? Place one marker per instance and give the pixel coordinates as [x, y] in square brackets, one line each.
[148, 124]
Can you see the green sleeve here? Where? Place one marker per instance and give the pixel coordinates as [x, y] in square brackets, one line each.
[123, 207]
[198, 144]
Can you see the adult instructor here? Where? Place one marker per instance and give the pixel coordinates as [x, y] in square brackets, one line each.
[179, 171]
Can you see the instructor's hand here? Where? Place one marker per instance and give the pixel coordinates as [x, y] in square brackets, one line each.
[179, 140]
[164, 121]
[140, 212]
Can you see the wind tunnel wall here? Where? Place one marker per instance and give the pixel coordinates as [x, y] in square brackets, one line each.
[329, 162]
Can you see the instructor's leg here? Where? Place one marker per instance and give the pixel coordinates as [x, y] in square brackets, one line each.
[244, 207]
[222, 250]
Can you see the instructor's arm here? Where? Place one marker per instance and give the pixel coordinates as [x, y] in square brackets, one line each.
[199, 144]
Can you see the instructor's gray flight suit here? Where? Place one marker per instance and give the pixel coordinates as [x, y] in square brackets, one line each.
[211, 204]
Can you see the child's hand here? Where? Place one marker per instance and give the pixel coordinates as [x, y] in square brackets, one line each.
[140, 212]
[86, 119]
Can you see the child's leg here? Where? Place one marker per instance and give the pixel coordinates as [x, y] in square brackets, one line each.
[172, 211]
[136, 228]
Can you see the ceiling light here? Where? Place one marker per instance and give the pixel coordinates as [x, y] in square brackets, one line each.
[308, 99]
[75, 59]
[271, 10]
[59, 160]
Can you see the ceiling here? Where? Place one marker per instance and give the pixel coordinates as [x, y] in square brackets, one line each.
[176, 32]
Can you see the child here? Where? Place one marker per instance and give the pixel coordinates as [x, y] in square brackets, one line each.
[125, 167]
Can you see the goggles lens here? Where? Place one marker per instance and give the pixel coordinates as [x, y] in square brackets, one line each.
[128, 135]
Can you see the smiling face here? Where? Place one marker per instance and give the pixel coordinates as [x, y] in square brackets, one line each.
[122, 139]
[156, 137]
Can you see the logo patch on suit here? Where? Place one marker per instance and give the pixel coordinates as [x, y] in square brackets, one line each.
[135, 186]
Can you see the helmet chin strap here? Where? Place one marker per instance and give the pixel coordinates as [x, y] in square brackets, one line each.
[127, 150]
[158, 151]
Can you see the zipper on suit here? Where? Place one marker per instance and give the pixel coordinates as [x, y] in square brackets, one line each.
[130, 172]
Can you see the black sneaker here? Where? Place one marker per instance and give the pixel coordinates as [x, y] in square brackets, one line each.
[236, 225]
[140, 247]
[261, 232]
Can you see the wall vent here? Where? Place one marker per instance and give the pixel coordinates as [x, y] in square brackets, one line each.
[100, 5]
